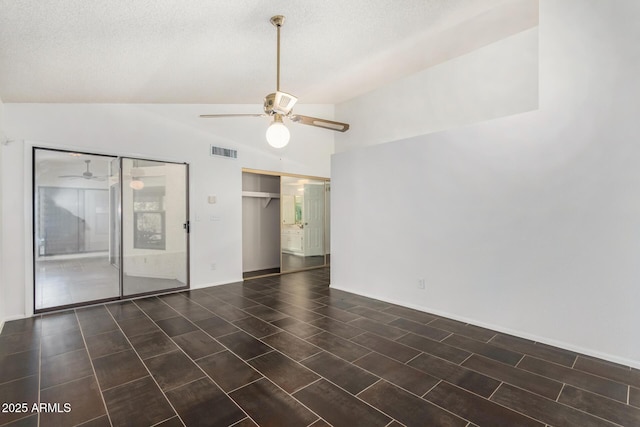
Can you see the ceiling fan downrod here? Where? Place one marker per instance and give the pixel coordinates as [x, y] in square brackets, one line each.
[278, 21]
[279, 105]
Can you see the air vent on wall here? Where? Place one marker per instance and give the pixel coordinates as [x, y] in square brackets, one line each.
[224, 152]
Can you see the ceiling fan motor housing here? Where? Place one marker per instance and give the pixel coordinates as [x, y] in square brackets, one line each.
[279, 103]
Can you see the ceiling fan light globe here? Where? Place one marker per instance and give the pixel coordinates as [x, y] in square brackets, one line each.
[136, 184]
[278, 135]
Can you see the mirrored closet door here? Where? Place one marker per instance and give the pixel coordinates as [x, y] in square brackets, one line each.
[154, 238]
[303, 223]
[106, 227]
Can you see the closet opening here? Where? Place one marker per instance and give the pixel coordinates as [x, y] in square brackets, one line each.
[285, 223]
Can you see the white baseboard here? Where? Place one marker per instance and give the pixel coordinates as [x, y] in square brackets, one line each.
[207, 285]
[498, 328]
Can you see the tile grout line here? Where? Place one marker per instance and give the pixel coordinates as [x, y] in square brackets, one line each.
[67, 382]
[346, 391]
[594, 375]
[394, 384]
[270, 335]
[466, 358]
[250, 382]
[353, 362]
[309, 357]
[539, 395]
[93, 369]
[142, 361]
[500, 404]
[283, 390]
[315, 381]
[313, 422]
[212, 354]
[401, 336]
[559, 403]
[368, 387]
[109, 354]
[494, 391]
[158, 423]
[320, 377]
[434, 386]
[196, 364]
[578, 371]
[413, 358]
[163, 354]
[560, 392]
[40, 366]
[182, 385]
[255, 357]
[375, 375]
[444, 338]
[433, 355]
[88, 421]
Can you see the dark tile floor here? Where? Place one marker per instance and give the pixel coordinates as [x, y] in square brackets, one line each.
[290, 351]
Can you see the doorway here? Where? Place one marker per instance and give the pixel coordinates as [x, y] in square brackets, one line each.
[260, 224]
[303, 223]
[285, 223]
[106, 228]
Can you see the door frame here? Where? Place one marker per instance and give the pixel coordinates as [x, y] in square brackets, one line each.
[327, 182]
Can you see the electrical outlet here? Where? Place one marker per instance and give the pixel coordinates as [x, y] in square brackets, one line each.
[421, 284]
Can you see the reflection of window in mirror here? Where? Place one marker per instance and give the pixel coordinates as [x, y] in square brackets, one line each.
[148, 208]
[149, 230]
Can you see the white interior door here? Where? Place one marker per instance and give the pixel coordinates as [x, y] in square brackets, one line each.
[313, 219]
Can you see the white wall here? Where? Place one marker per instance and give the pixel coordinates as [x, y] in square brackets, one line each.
[162, 132]
[528, 224]
[447, 95]
[260, 224]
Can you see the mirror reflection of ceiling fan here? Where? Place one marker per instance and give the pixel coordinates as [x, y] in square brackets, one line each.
[280, 105]
[85, 175]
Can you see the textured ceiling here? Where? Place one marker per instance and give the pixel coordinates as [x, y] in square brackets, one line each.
[211, 51]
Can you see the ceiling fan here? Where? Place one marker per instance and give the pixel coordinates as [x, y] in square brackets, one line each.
[280, 105]
[86, 174]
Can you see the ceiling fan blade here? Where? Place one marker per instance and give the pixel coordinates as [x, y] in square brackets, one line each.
[321, 123]
[70, 176]
[214, 116]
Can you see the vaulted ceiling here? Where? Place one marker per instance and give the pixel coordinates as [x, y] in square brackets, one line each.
[214, 51]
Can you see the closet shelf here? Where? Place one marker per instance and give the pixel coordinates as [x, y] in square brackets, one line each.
[263, 195]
